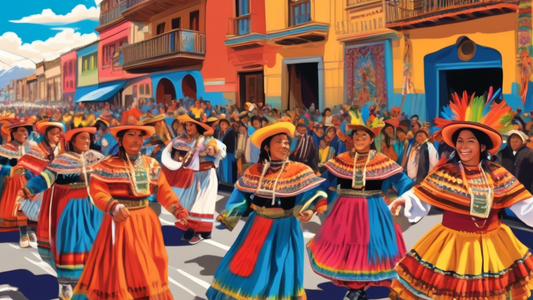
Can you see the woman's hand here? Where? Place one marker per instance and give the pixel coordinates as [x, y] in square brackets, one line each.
[396, 206]
[121, 215]
[305, 215]
[182, 217]
[24, 194]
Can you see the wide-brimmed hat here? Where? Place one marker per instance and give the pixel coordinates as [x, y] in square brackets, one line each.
[71, 133]
[150, 118]
[149, 130]
[186, 118]
[19, 123]
[212, 121]
[270, 130]
[450, 129]
[42, 126]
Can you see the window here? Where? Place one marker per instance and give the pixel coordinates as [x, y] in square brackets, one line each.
[141, 89]
[160, 28]
[147, 90]
[242, 22]
[88, 62]
[108, 52]
[94, 61]
[300, 11]
[176, 23]
[70, 67]
[194, 20]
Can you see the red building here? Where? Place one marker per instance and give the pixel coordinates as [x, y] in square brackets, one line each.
[115, 34]
[247, 48]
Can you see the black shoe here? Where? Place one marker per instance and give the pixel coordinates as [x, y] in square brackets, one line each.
[188, 235]
[206, 235]
[356, 295]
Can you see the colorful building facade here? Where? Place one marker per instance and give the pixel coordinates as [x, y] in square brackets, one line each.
[308, 68]
[69, 72]
[180, 45]
[441, 48]
[52, 75]
[87, 70]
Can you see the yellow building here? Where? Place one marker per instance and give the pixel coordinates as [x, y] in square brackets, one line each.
[367, 48]
[309, 62]
[414, 53]
[449, 46]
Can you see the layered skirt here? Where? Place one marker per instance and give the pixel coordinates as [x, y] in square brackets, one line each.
[265, 262]
[358, 245]
[199, 198]
[10, 218]
[77, 221]
[448, 264]
[47, 225]
[131, 265]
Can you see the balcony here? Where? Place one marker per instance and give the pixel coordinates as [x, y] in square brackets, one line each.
[173, 49]
[308, 32]
[240, 34]
[115, 14]
[143, 10]
[361, 3]
[405, 14]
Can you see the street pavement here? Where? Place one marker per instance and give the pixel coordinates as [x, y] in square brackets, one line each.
[190, 268]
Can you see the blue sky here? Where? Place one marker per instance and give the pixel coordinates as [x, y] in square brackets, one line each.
[16, 10]
[59, 24]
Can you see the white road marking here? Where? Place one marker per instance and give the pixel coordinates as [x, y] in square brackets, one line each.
[46, 267]
[14, 246]
[181, 286]
[165, 222]
[7, 288]
[216, 244]
[197, 280]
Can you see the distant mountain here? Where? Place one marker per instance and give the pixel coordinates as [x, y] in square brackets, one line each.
[14, 73]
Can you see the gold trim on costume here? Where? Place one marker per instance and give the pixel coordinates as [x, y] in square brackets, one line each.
[133, 204]
[273, 212]
[358, 193]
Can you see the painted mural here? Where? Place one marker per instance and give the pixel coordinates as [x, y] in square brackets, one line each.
[365, 75]
[525, 63]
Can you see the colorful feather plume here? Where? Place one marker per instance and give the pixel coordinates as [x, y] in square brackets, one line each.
[481, 109]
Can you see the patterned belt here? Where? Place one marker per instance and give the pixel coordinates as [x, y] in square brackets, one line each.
[272, 212]
[134, 203]
[77, 185]
[358, 193]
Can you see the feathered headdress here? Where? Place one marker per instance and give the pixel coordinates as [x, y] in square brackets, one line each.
[364, 120]
[478, 112]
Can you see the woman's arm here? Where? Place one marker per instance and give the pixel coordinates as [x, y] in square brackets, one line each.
[236, 206]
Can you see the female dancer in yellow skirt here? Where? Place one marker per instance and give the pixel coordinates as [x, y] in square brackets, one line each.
[128, 259]
[471, 255]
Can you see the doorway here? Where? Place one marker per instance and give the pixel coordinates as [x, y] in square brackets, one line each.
[476, 81]
[188, 86]
[165, 92]
[303, 85]
[251, 88]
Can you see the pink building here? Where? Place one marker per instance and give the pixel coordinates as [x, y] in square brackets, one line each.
[69, 71]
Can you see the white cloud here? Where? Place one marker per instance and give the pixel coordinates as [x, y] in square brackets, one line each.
[48, 17]
[15, 52]
[64, 28]
[97, 2]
